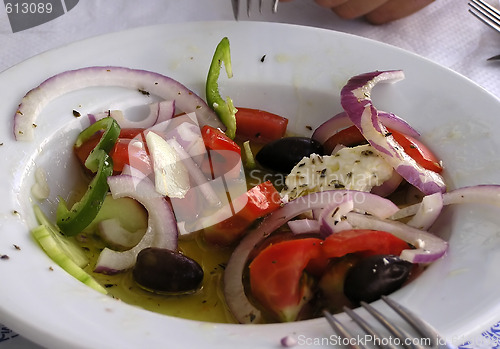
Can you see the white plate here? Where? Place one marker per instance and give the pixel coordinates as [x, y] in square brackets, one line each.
[293, 71]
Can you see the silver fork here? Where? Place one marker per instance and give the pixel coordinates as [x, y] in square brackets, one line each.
[485, 13]
[488, 15]
[428, 337]
[236, 7]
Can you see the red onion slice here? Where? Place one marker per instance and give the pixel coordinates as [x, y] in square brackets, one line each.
[198, 177]
[389, 186]
[429, 247]
[304, 226]
[331, 126]
[111, 231]
[161, 231]
[356, 101]
[157, 84]
[476, 194]
[332, 217]
[341, 121]
[428, 211]
[187, 132]
[158, 112]
[240, 306]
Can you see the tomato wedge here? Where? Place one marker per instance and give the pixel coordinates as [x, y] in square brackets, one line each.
[259, 126]
[217, 140]
[258, 202]
[418, 151]
[123, 153]
[277, 273]
[362, 240]
[351, 136]
[224, 154]
[277, 276]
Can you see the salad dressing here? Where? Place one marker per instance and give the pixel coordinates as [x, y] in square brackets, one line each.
[206, 304]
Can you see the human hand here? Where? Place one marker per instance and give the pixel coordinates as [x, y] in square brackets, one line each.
[374, 11]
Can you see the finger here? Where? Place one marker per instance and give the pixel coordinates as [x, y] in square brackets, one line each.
[330, 3]
[395, 9]
[357, 8]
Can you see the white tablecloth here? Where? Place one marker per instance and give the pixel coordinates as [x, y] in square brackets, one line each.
[443, 32]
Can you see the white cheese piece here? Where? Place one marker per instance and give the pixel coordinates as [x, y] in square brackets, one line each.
[171, 176]
[353, 168]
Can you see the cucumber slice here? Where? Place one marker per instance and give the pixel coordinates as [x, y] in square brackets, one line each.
[52, 246]
[68, 245]
[129, 212]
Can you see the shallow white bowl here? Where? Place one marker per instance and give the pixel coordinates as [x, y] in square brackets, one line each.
[293, 71]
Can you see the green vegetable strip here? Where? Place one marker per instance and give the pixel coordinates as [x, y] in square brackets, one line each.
[106, 143]
[53, 250]
[225, 110]
[68, 245]
[249, 157]
[72, 222]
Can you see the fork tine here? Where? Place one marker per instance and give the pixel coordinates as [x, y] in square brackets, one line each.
[236, 8]
[275, 5]
[367, 328]
[391, 327]
[428, 336]
[342, 331]
[487, 8]
[485, 13]
[423, 328]
[249, 6]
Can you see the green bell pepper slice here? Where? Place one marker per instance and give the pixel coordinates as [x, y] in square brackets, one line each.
[107, 142]
[82, 213]
[225, 110]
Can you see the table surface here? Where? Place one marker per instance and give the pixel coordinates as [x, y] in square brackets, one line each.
[443, 32]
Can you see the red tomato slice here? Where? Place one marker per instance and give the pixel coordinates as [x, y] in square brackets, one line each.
[277, 273]
[123, 153]
[351, 136]
[217, 140]
[126, 153]
[131, 133]
[418, 151]
[362, 240]
[257, 202]
[224, 154]
[259, 126]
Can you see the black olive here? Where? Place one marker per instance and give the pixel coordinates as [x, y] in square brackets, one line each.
[283, 154]
[165, 271]
[375, 276]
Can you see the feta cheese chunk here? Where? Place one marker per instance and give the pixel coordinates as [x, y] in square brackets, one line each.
[354, 168]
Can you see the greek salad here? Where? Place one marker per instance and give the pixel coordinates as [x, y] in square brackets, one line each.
[179, 215]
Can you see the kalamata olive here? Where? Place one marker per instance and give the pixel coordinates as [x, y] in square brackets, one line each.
[283, 154]
[165, 271]
[375, 276]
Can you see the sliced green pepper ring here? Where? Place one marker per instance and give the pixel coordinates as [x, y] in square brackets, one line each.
[225, 110]
[82, 213]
